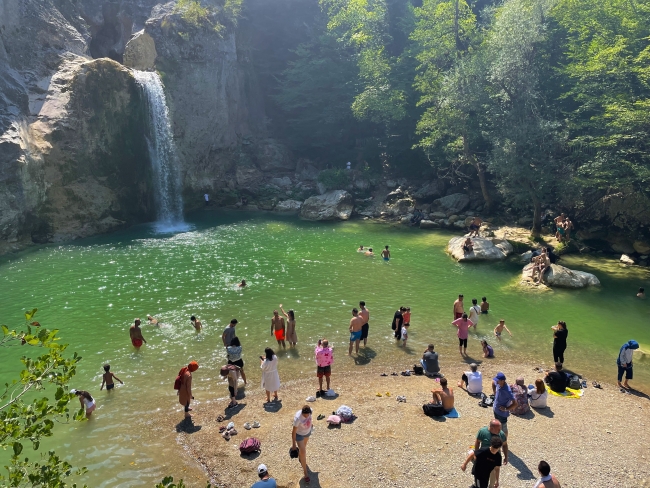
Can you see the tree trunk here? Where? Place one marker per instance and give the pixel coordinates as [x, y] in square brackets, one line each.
[537, 214]
[484, 189]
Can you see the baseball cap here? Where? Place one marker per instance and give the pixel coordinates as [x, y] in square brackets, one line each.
[73, 391]
[262, 469]
[500, 376]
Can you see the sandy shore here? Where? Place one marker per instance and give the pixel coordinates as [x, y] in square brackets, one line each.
[600, 440]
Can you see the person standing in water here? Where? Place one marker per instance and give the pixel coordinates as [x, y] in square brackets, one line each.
[560, 334]
[278, 329]
[86, 400]
[474, 312]
[229, 333]
[459, 310]
[463, 325]
[196, 323]
[398, 321]
[356, 323]
[498, 330]
[364, 313]
[185, 390]
[291, 336]
[385, 254]
[136, 335]
[107, 379]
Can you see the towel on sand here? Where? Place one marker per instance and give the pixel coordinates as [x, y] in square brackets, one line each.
[569, 393]
[453, 414]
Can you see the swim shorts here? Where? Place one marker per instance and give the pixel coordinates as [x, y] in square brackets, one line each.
[473, 227]
[364, 331]
[355, 336]
[111, 386]
[239, 362]
[323, 371]
[136, 342]
[498, 334]
[386, 259]
[458, 315]
[484, 311]
[279, 335]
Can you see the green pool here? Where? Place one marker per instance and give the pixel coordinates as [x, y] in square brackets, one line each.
[91, 290]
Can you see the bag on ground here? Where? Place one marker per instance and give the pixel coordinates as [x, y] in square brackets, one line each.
[250, 445]
[418, 369]
[345, 413]
[433, 410]
[574, 382]
[486, 401]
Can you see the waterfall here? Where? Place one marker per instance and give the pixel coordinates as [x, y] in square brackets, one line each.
[162, 151]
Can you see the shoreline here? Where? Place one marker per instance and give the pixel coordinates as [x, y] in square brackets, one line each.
[395, 444]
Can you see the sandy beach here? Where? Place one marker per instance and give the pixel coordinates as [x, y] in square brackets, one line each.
[599, 440]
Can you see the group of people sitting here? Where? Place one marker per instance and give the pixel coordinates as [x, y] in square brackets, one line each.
[563, 228]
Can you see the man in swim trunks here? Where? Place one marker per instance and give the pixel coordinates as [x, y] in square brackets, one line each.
[485, 306]
[369, 252]
[385, 254]
[364, 313]
[196, 323]
[356, 323]
[136, 335]
[458, 307]
[475, 226]
[278, 329]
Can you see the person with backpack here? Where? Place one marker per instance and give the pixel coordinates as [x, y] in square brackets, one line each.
[624, 362]
[184, 384]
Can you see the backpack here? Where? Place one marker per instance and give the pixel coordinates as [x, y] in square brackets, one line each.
[432, 410]
[177, 381]
[250, 445]
[574, 382]
[345, 413]
[486, 401]
[521, 396]
[418, 369]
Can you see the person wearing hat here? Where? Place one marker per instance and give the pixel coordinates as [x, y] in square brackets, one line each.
[624, 362]
[265, 479]
[185, 390]
[504, 401]
[473, 380]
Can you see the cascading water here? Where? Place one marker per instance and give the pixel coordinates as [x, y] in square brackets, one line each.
[162, 151]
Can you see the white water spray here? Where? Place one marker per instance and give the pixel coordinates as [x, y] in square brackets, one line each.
[162, 151]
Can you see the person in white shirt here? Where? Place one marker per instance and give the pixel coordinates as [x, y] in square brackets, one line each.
[537, 395]
[546, 480]
[474, 312]
[473, 380]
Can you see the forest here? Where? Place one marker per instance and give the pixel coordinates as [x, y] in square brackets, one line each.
[538, 100]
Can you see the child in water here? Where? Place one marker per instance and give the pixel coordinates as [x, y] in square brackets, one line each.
[107, 378]
[488, 352]
[86, 401]
[499, 329]
[485, 306]
[405, 334]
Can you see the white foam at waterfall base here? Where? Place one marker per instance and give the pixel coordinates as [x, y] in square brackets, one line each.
[164, 160]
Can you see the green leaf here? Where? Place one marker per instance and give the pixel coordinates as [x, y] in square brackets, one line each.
[18, 448]
[29, 314]
[5, 330]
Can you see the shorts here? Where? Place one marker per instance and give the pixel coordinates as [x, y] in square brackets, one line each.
[462, 342]
[498, 334]
[355, 336]
[279, 335]
[473, 227]
[484, 311]
[136, 342]
[627, 371]
[458, 315]
[239, 362]
[364, 331]
[91, 409]
[386, 259]
[504, 422]
[110, 387]
[324, 371]
[302, 437]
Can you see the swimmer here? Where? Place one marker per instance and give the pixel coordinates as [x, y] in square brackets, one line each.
[152, 320]
[385, 254]
[361, 249]
[242, 284]
[369, 252]
[499, 329]
[107, 379]
[278, 329]
[136, 335]
[485, 306]
[641, 293]
[196, 323]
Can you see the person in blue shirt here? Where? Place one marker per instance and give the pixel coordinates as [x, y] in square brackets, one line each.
[504, 401]
[265, 480]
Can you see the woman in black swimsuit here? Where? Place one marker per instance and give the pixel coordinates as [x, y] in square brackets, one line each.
[398, 320]
[560, 334]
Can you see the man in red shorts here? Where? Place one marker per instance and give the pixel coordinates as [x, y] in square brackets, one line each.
[278, 329]
[458, 307]
[136, 335]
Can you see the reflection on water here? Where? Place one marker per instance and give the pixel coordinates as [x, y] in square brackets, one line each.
[93, 289]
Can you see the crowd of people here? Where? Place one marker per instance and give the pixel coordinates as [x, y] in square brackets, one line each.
[490, 451]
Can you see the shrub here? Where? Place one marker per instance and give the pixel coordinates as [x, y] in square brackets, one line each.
[334, 179]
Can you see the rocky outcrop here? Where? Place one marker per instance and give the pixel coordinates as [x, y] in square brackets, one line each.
[333, 205]
[430, 191]
[140, 52]
[561, 277]
[484, 249]
[288, 206]
[454, 203]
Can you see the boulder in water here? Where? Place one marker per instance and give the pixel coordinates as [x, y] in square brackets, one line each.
[561, 277]
[484, 249]
[333, 205]
[288, 205]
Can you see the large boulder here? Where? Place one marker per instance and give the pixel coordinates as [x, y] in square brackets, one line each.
[333, 205]
[431, 190]
[561, 277]
[288, 206]
[140, 52]
[484, 249]
[402, 206]
[455, 203]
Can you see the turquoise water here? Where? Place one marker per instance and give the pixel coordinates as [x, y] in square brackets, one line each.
[91, 290]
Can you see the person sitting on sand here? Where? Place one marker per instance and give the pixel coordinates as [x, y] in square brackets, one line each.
[429, 362]
[265, 479]
[196, 323]
[556, 380]
[475, 226]
[546, 478]
[485, 306]
[641, 293]
[472, 379]
[242, 284]
[520, 392]
[443, 396]
[537, 395]
[488, 352]
[468, 247]
[499, 329]
[107, 379]
[369, 252]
